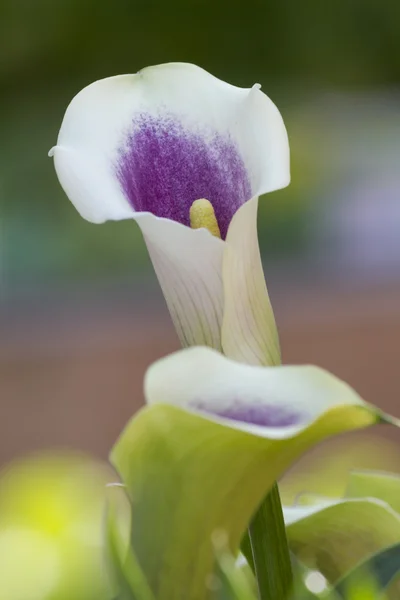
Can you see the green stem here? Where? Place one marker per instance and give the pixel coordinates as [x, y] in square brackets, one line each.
[270, 549]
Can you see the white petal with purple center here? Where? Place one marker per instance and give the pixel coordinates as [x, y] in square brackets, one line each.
[272, 402]
[158, 140]
[145, 147]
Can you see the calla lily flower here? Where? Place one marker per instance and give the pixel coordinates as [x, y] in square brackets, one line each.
[185, 155]
[214, 438]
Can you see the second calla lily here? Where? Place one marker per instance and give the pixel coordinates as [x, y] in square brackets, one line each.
[186, 155]
[206, 450]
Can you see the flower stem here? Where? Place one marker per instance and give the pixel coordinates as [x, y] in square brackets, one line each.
[270, 549]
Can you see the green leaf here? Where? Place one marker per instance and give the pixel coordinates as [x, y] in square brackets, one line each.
[375, 484]
[232, 582]
[126, 573]
[270, 549]
[380, 569]
[333, 536]
[245, 548]
[187, 476]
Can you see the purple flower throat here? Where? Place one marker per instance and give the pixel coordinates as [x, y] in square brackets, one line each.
[163, 168]
[253, 413]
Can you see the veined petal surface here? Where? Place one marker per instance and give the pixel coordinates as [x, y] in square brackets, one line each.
[188, 264]
[249, 332]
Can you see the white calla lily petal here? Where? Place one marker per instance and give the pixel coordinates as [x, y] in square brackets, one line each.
[271, 402]
[97, 198]
[188, 266]
[148, 145]
[249, 331]
[158, 140]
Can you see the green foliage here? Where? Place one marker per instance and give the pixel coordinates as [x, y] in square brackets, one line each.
[192, 486]
[380, 569]
[375, 484]
[124, 570]
[270, 553]
[332, 536]
[335, 535]
[187, 477]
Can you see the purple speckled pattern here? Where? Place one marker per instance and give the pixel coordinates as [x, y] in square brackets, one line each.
[163, 168]
[254, 414]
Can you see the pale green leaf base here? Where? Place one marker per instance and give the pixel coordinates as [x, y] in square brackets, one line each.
[188, 476]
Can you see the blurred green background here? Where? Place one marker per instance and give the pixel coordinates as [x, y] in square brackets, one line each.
[332, 67]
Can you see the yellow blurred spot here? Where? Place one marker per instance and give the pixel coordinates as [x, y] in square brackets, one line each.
[364, 589]
[202, 215]
[29, 565]
[51, 529]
